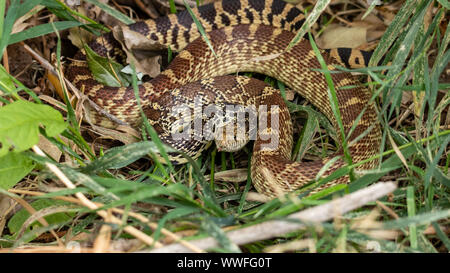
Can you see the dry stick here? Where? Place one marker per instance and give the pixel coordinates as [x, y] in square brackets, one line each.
[103, 240]
[6, 61]
[91, 205]
[275, 228]
[133, 214]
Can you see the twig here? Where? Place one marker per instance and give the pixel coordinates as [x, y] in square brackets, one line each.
[293, 222]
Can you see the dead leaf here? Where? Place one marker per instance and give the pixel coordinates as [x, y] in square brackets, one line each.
[336, 36]
[128, 136]
[234, 176]
[49, 148]
[7, 206]
[20, 24]
[289, 94]
[141, 51]
[374, 25]
[257, 197]
[397, 151]
[126, 245]
[79, 36]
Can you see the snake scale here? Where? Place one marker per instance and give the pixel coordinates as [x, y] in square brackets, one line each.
[242, 33]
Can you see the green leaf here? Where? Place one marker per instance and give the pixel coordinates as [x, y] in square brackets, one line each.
[214, 231]
[389, 164]
[150, 130]
[419, 219]
[444, 3]
[310, 20]
[332, 97]
[173, 214]
[13, 167]
[369, 10]
[139, 195]
[105, 70]
[26, 6]
[118, 157]
[41, 30]
[410, 201]
[392, 32]
[8, 22]
[20, 121]
[62, 11]
[87, 181]
[19, 218]
[173, 8]
[433, 170]
[444, 238]
[6, 84]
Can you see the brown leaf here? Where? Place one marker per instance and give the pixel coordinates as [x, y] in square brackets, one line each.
[141, 51]
[79, 36]
[235, 176]
[49, 148]
[7, 206]
[20, 24]
[336, 36]
[127, 136]
[290, 94]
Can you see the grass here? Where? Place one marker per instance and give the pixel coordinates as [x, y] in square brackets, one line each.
[117, 191]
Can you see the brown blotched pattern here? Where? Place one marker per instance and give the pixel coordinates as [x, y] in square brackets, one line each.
[247, 35]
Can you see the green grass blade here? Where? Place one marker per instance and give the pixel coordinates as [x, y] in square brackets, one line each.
[310, 20]
[411, 212]
[333, 101]
[8, 22]
[200, 28]
[391, 33]
[41, 30]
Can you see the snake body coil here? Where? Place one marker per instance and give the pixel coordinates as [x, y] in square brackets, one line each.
[242, 34]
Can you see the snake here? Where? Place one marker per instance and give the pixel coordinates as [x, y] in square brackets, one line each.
[243, 36]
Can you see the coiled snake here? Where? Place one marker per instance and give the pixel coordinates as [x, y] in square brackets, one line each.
[242, 33]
